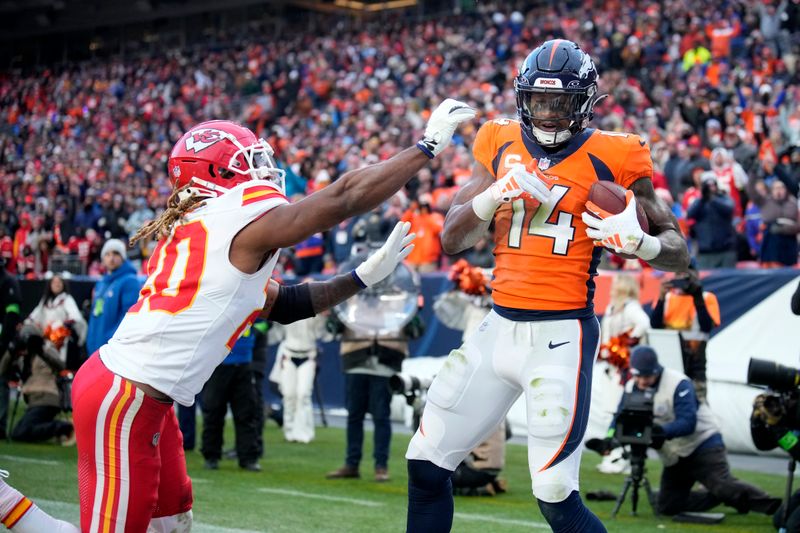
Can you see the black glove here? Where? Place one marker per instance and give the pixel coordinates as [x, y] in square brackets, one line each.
[602, 446]
[657, 437]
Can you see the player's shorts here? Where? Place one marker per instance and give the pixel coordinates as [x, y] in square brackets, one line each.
[550, 362]
[131, 465]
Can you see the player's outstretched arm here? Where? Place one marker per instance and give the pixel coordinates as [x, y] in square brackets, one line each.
[475, 204]
[290, 304]
[665, 249]
[354, 193]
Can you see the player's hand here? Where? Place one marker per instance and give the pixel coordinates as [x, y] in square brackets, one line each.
[442, 124]
[383, 262]
[515, 183]
[621, 233]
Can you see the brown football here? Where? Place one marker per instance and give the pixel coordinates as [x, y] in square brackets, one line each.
[610, 197]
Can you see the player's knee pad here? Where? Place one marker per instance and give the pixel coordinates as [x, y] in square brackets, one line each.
[570, 516]
[549, 402]
[449, 384]
[177, 523]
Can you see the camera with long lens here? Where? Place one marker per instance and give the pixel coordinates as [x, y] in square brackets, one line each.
[408, 385]
[414, 389]
[774, 375]
[635, 419]
[779, 405]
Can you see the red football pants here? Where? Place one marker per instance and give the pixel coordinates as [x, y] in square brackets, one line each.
[131, 466]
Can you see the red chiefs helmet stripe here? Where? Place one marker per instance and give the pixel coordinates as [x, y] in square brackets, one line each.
[260, 196]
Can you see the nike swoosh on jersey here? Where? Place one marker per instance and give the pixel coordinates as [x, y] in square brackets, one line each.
[642, 143]
[683, 393]
[554, 346]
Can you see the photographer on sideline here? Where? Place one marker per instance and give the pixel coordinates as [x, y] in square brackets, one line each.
[38, 363]
[684, 306]
[368, 364]
[773, 423]
[689, 444]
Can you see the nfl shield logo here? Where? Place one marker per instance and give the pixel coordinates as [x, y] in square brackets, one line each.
[544, 163]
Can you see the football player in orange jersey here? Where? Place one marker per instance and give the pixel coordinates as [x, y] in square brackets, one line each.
[208, 280]
[532, 177]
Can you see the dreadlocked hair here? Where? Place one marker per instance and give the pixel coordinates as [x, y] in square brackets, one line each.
[176, 209]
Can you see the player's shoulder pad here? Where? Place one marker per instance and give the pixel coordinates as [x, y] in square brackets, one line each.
[631, 141]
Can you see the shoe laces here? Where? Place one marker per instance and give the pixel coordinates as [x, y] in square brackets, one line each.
[4, 473]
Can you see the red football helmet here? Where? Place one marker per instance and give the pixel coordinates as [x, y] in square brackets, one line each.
[215, 156]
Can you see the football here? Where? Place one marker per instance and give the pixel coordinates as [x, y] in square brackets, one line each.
[610, 197]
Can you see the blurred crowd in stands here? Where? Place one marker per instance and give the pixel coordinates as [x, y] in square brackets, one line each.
[713, 87]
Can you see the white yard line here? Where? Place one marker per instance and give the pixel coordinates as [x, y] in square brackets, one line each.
[354, 501]
[71, 513]
[495, 520]
[18, 459]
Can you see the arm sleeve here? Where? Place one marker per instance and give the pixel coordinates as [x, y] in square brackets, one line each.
[684, 403]
[638, 163]
[293, 304]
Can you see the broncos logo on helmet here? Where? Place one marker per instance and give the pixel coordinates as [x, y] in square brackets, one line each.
[556, 92]
[215, 156]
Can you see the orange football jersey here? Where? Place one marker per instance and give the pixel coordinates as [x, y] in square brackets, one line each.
[544, 259]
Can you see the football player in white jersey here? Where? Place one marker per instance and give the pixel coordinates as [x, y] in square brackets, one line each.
[208, 279]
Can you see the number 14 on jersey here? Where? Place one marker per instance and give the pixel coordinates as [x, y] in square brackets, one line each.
[562, 232]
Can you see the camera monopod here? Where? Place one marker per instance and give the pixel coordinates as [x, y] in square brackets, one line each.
[789, 481]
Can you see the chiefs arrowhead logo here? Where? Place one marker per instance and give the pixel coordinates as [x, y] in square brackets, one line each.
[199, 140]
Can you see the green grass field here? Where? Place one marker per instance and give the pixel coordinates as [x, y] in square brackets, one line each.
[292, 494]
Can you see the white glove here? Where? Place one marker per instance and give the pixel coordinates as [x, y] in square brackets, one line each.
[442, 125]
[383, 262]
[622, 232]
[515, 183]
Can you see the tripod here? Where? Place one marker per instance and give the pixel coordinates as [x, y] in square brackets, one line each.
[637, 456]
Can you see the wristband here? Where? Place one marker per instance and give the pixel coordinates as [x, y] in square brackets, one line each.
[649, 248]
[484, 205]
[425, 150]
[357, 279]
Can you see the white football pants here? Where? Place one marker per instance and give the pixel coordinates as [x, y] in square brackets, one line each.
[550, 362]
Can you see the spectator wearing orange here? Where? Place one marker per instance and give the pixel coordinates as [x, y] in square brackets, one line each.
[427, 225]
[683, 306]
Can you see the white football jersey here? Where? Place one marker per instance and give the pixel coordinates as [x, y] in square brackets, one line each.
[195, 304]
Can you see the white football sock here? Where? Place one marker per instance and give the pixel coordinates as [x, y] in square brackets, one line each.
[21, 515]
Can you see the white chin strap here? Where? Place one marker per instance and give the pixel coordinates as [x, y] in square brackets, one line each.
[550, 138]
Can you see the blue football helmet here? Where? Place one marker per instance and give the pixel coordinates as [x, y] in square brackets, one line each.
[556, 91]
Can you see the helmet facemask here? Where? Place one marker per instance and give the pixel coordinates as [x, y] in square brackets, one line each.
[554, 115]
[254, 161]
